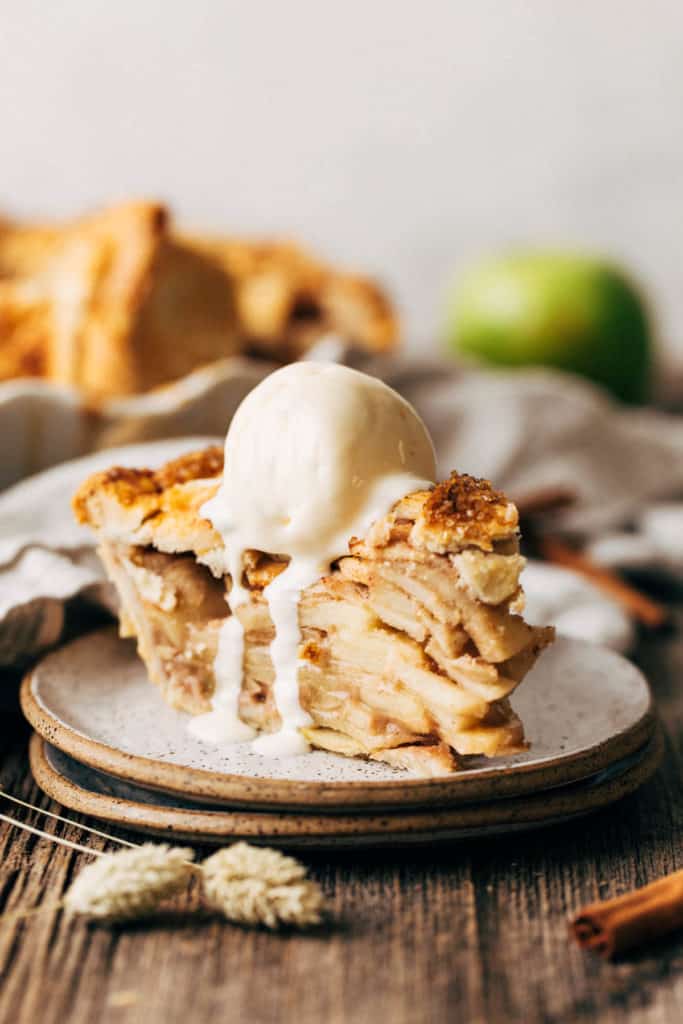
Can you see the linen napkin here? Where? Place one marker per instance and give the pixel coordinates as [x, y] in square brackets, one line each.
[46, 557]
[528, 430]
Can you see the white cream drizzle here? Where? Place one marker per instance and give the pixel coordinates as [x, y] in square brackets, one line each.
[283, 596]
[222, 724]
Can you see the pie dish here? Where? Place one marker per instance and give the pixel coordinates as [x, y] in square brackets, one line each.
[410, 646]
[118, 304]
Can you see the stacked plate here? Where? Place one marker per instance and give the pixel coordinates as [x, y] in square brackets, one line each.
[106, 745]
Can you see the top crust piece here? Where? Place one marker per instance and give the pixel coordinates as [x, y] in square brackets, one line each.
[161, 508]
[118, 303]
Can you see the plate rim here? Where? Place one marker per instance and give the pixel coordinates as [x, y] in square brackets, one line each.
[251, 791]
[318, 830]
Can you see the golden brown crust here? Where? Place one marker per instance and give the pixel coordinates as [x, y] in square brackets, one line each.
[130, 485]
[24, 324]
[24, 248]
[97, 281]
[143, 506]
[200, 465]
[117, 304]
[466, 510]
[284, 296]
[461, 511]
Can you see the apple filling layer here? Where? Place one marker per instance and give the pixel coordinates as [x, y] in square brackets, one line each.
[390, 667]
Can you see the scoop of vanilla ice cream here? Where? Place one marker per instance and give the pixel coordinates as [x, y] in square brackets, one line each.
[309, 455]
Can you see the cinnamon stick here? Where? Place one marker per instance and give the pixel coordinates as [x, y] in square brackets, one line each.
[636, 604]
[612, 927]
[545, 500]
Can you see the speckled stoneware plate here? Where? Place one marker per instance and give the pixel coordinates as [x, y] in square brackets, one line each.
[89, 791]
[583, 707]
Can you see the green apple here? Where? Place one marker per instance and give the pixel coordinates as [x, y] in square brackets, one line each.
[569, 311]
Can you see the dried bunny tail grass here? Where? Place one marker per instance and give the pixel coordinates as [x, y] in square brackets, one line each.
[244, 861]
[254, 886]
[130, 883]
[247, 884]
[251, 901]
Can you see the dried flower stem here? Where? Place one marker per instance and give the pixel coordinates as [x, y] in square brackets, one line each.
[19, 915]
[48, 835]
[67, 821]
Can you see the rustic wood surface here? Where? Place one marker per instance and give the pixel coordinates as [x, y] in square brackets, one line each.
[471, 933]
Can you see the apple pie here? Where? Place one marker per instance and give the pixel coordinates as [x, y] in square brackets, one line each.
[118, 303]
[410, 646]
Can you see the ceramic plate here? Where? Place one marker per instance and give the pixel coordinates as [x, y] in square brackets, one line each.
[89, 791]
[583, 708]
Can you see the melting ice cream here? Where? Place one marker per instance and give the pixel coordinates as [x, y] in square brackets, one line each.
[314, 455]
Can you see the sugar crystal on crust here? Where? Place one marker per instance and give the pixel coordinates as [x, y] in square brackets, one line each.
[466, 510]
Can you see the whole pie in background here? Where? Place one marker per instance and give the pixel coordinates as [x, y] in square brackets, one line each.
[118, 303]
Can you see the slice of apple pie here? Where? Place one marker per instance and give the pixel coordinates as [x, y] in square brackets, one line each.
[410, 646]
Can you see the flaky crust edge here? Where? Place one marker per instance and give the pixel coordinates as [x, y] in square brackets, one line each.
[162, 508]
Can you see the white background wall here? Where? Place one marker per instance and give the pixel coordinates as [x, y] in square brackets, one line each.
[402, 136]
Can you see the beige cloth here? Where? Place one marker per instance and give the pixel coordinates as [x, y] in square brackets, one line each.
[528, 430]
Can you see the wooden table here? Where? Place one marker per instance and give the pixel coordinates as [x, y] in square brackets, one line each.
[471, 933]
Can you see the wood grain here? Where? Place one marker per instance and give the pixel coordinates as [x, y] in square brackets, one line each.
[474, 933]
